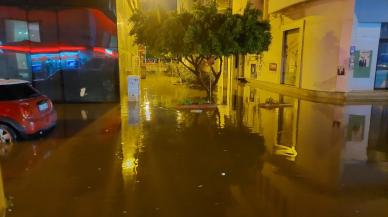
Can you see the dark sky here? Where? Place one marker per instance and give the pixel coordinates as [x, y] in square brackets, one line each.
[167, 4]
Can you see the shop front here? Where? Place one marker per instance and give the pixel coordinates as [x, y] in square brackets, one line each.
[67, 51]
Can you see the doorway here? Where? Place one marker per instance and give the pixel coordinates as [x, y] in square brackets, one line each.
[381, 80]
[290, 57]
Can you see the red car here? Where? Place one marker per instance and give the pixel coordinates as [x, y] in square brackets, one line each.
[23, 111]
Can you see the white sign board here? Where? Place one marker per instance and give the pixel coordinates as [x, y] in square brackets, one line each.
[133, 88]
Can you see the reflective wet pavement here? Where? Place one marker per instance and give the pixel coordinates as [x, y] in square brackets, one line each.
[298, 159]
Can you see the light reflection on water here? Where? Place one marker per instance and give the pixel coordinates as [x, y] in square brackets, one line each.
[248, 158]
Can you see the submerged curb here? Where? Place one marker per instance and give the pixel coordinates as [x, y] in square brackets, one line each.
[203, 106]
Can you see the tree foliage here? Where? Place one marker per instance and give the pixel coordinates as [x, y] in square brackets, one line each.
[202, 37]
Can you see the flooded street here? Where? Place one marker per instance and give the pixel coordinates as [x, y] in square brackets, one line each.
[244, 159]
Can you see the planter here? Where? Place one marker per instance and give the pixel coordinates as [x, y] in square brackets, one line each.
[197, 107]
[273, 106]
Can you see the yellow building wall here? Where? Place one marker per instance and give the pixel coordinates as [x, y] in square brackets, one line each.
[326, 29]
[238, 6]
[128, 51]
[184, 5]
[276, 5]
[326, 42]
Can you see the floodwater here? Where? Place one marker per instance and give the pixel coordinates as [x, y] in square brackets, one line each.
[296, 159]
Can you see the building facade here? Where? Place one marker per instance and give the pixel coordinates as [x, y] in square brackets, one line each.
[320, 48]
[68, 50]
[331, 46]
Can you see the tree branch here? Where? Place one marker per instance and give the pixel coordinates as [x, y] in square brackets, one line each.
[190, 59]
[199, 59]
[188, 67]
[213, 71]
[196, 72]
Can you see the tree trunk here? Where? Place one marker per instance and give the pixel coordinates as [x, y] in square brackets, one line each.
[216, 75]
[195, 68]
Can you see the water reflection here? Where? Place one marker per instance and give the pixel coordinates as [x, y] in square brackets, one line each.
[131, 141]
[58, 174]
[261, 155]
[378, 135]
[320, 155]
[196, 170]
[3, 200]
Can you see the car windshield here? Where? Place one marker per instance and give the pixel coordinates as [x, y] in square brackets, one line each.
[17, 91]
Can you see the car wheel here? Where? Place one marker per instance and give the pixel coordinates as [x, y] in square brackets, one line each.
[7, 134]
[7, 139]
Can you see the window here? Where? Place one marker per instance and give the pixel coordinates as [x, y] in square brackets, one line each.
[21, 60]
[384, 31]
[381, 80]
[382, 60]
[17, 91]
[34, 32]
[16, 30]
[253, 71]
[113, 42]
[20, 30]
[236, 61]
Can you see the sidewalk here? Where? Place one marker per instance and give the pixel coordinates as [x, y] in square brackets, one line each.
[354, 97]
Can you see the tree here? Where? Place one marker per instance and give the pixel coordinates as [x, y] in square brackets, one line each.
[201, 38]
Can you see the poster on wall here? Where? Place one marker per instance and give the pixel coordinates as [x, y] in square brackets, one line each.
[355, 132]
[351, 60]
[273, 67]
[352, 50]
[341, 70]
[362, 63]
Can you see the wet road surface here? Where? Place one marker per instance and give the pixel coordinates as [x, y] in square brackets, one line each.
[244, 159]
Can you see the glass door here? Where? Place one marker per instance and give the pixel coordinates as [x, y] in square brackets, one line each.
[381, 81]
[290, 57]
